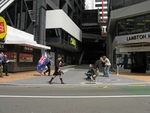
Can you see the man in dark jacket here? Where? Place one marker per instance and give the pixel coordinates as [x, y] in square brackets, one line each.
[48, 66]
[57, 70]
[5, 65]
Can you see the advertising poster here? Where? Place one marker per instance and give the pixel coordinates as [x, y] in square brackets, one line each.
[11, 56]
[25, 57]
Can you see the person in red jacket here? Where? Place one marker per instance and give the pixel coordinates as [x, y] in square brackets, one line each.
[57, 71]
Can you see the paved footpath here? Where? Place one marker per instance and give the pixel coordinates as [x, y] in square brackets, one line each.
[75, 75]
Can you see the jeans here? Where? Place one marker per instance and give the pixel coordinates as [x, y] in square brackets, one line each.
[107, 71]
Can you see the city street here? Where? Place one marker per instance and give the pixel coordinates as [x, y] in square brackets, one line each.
[107, 95]
[72, 99]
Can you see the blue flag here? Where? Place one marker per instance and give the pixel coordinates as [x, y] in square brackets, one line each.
[42, 63]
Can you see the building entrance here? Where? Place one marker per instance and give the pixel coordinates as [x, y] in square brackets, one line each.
[139, 62]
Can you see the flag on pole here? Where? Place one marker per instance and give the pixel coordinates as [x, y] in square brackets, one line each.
[42, 63]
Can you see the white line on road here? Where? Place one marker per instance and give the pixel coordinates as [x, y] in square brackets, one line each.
[74, 97]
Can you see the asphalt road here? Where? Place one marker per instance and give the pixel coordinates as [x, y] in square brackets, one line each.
[73, 99]
[112, 94]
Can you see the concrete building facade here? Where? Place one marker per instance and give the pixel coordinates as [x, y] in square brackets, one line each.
[129, 33]
[38, 27]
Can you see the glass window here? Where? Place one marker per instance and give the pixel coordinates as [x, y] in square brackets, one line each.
[147, 23]
[138, 1]
[130, 25]
[98, 5]
[128, 2]
[121, 27]
[139, 24]
[98, 0]
[119, 3]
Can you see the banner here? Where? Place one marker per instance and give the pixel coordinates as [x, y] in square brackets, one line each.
[42, 63]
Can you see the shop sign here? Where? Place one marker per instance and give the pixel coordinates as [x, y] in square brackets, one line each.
[27, 49]
[73, 41]
[3, 28]
[25, 57]
[11, 56]
[138, 37]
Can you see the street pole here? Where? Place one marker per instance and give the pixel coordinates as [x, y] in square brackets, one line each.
[117, 69]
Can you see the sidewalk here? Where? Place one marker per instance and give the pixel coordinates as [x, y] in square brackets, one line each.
[27, 74]
[21, 75]
[33, 74]
[138, 76]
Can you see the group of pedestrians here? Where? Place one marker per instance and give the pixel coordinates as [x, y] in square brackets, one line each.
[103, 62]
[3, 64]
[92, 73]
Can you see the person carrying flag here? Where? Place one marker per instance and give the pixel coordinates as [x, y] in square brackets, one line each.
[57, 70]
[48, 66]
[42, 63]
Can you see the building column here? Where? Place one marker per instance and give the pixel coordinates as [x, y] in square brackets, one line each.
[39, 7]
[109, 51]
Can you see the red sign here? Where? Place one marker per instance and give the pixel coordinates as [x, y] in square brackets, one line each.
[2, 28]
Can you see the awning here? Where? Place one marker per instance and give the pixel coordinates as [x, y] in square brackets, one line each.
[59, 19]
[18, 37]
[132, 43]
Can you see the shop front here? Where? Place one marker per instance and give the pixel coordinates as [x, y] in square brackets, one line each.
[22, 51]
[134, 49]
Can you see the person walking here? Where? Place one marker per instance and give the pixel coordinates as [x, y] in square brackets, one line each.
[57, 70]
[1, 66]
[107, 66]
[103, 66]
[48, 66]
[5, 65]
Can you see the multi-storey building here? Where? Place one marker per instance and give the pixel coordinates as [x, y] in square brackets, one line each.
[101, 5]
[37, 27]
[129, 33]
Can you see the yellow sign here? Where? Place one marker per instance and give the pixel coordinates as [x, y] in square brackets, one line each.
[73, 41]
[3, 28]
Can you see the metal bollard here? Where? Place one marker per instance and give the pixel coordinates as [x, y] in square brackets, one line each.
[117, 69]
